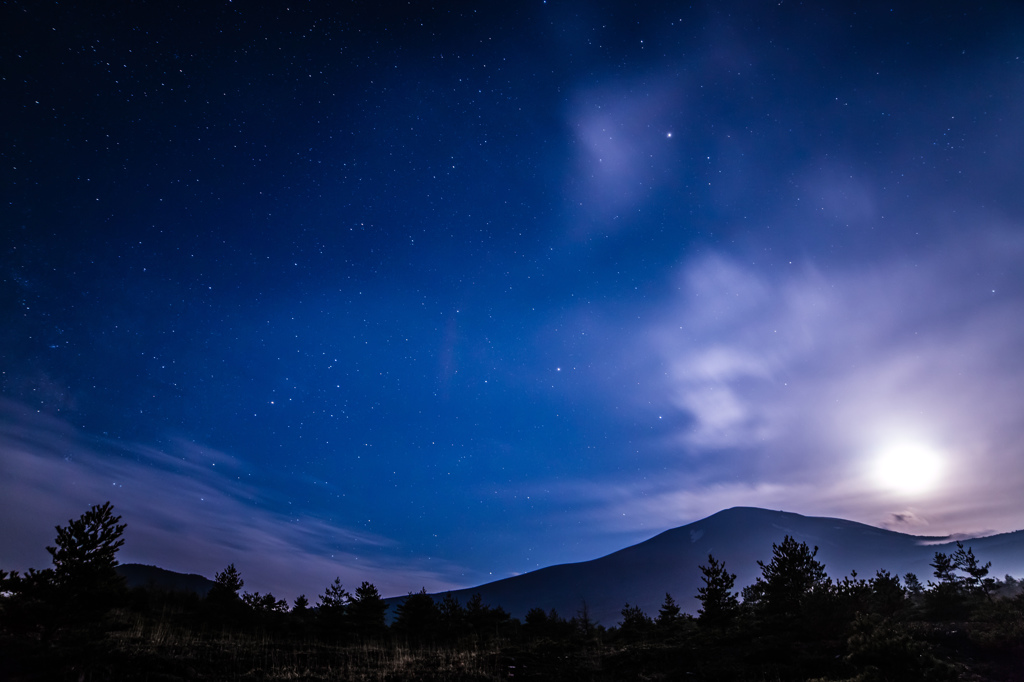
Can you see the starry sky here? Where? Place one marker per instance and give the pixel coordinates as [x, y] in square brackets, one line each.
[434, 294]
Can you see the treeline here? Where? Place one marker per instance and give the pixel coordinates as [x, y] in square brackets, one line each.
[77, 620]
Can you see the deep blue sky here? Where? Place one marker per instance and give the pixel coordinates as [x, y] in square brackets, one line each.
[428, 296]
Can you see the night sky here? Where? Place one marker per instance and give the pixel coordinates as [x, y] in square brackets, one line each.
[434, 295]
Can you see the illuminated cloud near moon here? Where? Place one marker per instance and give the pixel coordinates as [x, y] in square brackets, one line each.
[807, 376]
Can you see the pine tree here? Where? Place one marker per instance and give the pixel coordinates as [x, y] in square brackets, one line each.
[85, 554]
[887, 595]
[223, 601]
[84, 560]
[452, 617]
[953, 594]
[944, 569]
[335, 598]
[69, 604]
[332, 608]
[719, 604]
[417, 617]
[536, 619]
[913, 584]
[264, 603]
[635, 623]
[976, 581]
[367, 612]
[669, 613]
[788, 579]
[228, 582]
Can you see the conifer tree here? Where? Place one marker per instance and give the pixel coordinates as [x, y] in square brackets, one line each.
[944, 570]
[417, 617]
[913, 584]
[84, 560]
[961, 580]
[367, 612]
[452, 617]
[70, 603]
[536, 619]
[227, 582]
[332, 608]
[788, 579]
[719, 603]
[669, 612]
[223, 600]
[635, 624]
[887, 595]
[264, 603]
[976, 581]
[335, 598]
[85, 554]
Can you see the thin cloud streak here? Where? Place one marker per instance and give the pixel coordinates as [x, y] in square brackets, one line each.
[186, 509]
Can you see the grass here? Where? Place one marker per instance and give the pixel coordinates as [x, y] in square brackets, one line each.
[161, 650]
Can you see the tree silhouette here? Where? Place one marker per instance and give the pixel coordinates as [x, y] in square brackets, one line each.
[536, 620]
[541, 624]
[635, 624]
[913, 584]
[228, 582]
[367, 612]
[335, 598]
[264, 603]
[582, 623]
[788, 579]
[29, 607]
[332, 608]
[84, 560]
[223, 601]
[961, 581]
[887, 595]
[669, 613]
[68, 605]
[976, 580]
[484, 620]
[944, 570]
[417, 617]
[452, 617]
[85, 554]
[719, 604]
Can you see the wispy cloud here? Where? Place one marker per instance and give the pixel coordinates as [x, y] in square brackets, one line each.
[788, 384]
[625, 148]
[187, 507]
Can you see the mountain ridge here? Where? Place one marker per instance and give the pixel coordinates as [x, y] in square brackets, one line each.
[154, 577]
[669, 562]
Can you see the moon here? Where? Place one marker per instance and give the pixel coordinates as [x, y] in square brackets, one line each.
[908, 468]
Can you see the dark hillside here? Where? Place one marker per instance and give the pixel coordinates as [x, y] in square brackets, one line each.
[140, 575]
[669, 562]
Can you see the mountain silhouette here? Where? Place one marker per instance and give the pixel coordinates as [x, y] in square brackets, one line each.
[670, 562]
[154, 577]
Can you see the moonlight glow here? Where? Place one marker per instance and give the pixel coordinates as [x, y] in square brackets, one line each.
[908, 468]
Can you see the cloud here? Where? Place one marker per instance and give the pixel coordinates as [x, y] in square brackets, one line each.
[187, 509]
[626, 147]
[787, 385]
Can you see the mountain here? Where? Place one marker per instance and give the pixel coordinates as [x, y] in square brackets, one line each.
[140, 575]
[669, 562]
